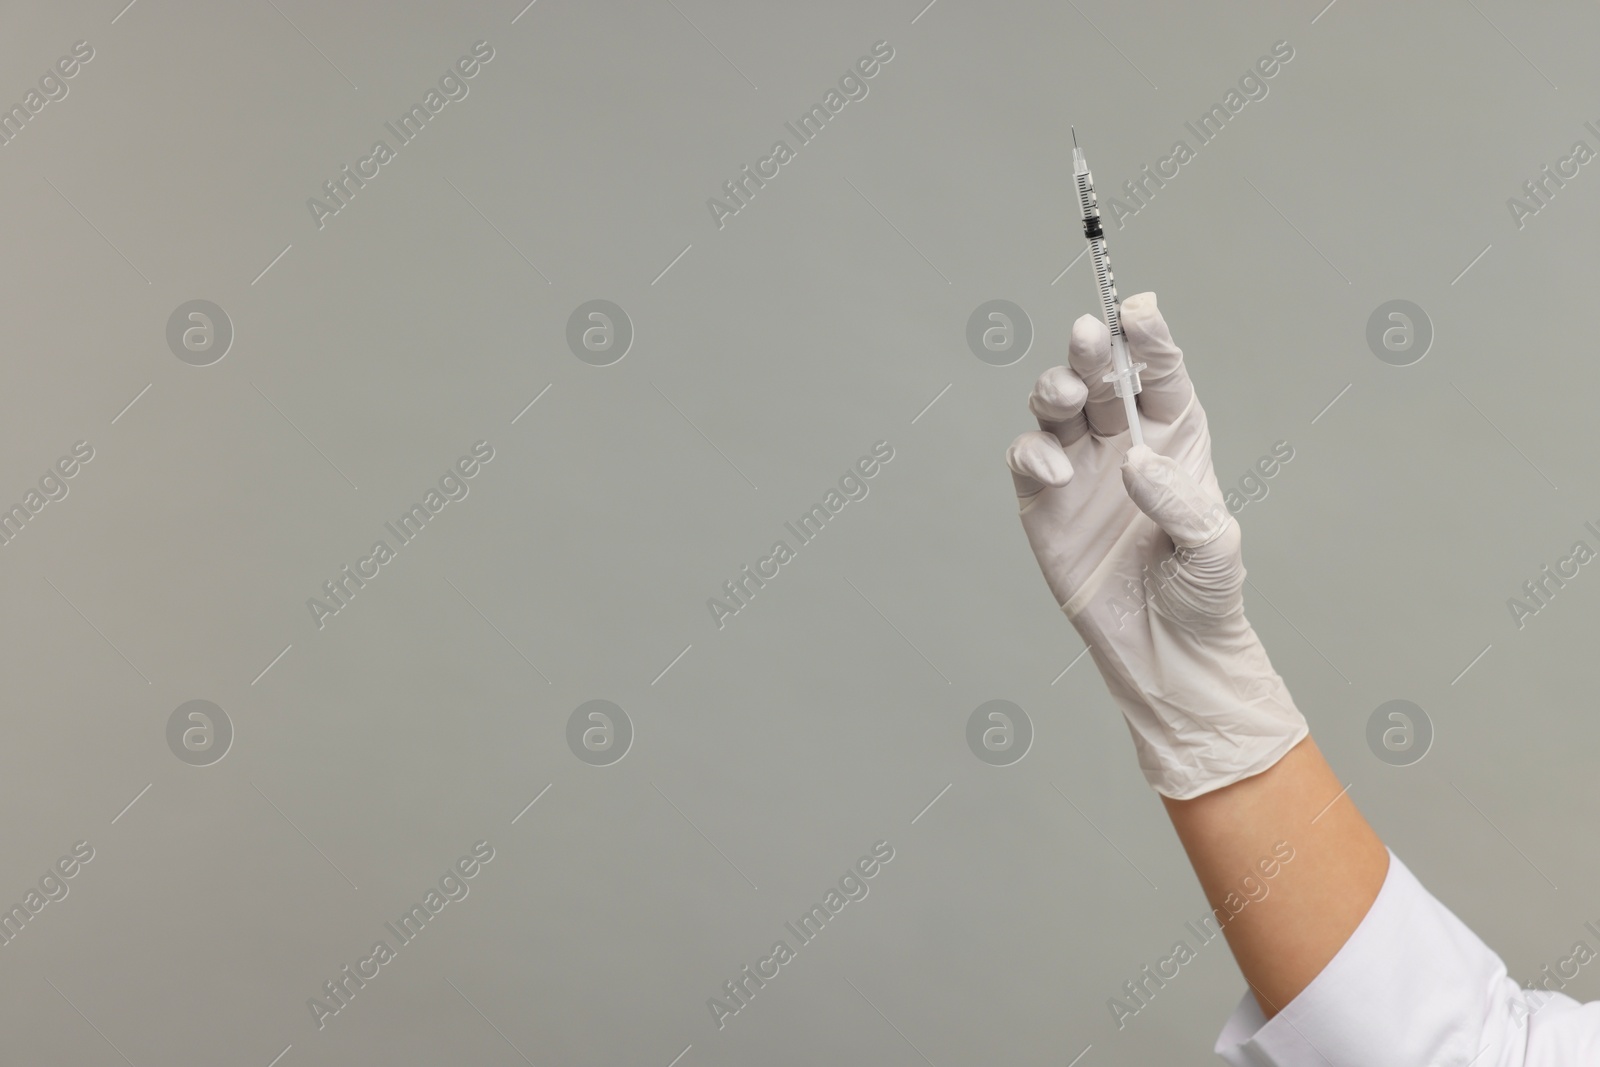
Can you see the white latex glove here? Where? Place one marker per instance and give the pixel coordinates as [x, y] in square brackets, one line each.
[1144, 558]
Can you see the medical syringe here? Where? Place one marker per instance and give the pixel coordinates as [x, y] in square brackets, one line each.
[1124, 374]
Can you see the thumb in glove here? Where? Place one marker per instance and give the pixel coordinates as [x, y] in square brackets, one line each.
[1202, 578]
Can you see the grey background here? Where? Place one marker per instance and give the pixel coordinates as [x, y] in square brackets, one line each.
[824, 317]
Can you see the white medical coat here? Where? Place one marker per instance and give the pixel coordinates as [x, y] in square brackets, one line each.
[1414, 987]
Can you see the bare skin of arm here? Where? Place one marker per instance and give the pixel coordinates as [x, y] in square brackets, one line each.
[1317, 900]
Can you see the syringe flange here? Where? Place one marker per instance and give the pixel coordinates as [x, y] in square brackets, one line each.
[1125, 383]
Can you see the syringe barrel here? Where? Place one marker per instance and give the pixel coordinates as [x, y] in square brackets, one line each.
[1097, 247]
[1124, 373]
[1088, 209]
[1125, 376]
[1106, 283]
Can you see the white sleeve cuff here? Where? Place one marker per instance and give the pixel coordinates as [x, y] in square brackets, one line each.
[1413, 986]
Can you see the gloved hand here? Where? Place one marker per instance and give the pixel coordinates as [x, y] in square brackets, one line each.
[1144, 558]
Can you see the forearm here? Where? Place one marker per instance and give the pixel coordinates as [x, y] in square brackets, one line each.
[1317, 900]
